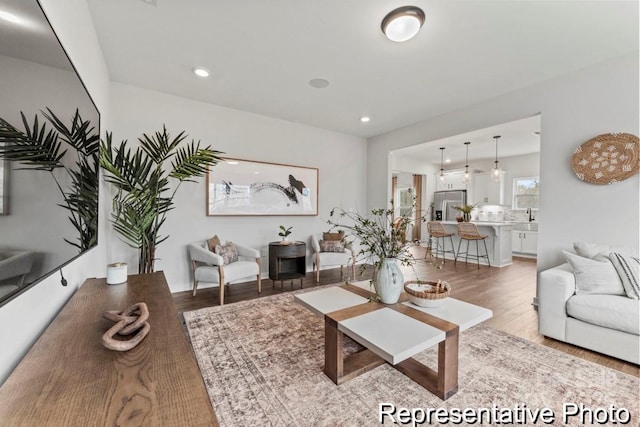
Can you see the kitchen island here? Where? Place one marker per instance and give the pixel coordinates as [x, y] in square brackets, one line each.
[498, 241]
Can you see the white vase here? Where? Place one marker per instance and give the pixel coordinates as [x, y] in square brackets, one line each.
[389, 281]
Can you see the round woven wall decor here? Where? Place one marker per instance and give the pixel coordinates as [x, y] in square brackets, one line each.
[607, 158]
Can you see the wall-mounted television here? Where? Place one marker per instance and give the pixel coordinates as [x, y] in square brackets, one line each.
[48, 178]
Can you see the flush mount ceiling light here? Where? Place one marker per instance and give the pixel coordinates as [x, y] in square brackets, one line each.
[201, 72]
[403, 23]
[442, 176]
[365, 119]
[496, 169]
[467, 176]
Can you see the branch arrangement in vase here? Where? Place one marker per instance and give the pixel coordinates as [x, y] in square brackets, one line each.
[466, 211]
[381, 239]
[374, 233]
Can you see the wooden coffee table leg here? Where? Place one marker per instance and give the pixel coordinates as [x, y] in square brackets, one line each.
[338, 368]
[448, 365]
[443, 383]
[333, 343]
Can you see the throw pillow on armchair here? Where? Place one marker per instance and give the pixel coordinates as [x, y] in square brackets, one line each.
[331, 246]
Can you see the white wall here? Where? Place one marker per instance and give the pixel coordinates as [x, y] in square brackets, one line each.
[574, 108]
[24, 318]
[340, 158]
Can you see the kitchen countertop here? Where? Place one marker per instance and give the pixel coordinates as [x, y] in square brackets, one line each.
[484, 223]
[498, 239]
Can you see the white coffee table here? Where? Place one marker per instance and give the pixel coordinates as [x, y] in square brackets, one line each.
[391, 333]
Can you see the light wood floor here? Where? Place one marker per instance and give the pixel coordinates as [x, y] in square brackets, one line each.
[508, 291]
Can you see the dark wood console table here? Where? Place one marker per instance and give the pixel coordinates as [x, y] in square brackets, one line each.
[287, 261]
[68, 377]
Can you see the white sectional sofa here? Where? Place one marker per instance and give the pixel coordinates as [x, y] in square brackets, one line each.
[608, 324]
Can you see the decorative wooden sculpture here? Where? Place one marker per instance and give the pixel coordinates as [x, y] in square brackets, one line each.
[132, 320]
[607, 158]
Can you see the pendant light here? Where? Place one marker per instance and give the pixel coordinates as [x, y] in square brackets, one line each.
[496, 169]
[467, 175]
[442, 176]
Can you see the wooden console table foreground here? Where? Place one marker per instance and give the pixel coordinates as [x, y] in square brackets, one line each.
[393, 334]
[68, 378]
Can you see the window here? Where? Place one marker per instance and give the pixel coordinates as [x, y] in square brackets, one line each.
[406, 201]
[526, 193]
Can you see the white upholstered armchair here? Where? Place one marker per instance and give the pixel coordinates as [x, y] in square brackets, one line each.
[322, 258]
[210, 267]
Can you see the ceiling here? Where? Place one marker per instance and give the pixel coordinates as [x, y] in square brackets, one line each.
[30, 38]
[516, 138]
[263, 69]
[262, 54]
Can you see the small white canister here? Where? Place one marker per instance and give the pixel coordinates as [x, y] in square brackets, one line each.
[116, 273]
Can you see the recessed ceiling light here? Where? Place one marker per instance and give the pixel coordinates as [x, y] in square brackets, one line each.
[365, 119]
[403, 23]
[447, 160]
[319, 83]
[201, 72]
[232, 162]
[9, 17]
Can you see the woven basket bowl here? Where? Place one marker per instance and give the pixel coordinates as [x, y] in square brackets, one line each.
[426, 293]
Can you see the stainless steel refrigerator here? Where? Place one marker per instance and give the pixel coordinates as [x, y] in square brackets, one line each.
[444, 201]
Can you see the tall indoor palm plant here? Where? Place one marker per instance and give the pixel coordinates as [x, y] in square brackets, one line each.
[44, 149]
[144, 194]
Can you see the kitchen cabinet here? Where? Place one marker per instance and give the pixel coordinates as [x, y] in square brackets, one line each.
[453, 181]
[486, 191]
[524, 242]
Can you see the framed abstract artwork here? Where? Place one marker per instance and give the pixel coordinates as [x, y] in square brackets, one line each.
[246, 187]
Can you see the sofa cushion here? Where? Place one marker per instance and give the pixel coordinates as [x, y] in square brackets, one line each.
[598, 251]
[627, 268]
[594, 277]
[609, 311]
[335, 258]
[232, 272]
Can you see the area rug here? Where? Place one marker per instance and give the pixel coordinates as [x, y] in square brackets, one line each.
[262, 363]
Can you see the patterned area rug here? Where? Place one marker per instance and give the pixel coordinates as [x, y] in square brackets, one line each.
[262, 363]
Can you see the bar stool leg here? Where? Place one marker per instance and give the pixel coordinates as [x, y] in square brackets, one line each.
[478, 254]
[452, 247]
[428, 249]
[455, 260]
[486, 252]
[466, 257]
